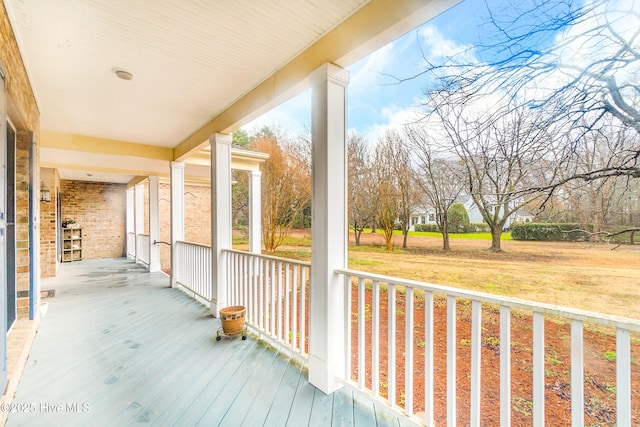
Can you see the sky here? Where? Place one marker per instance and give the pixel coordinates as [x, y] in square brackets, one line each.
[376, 101]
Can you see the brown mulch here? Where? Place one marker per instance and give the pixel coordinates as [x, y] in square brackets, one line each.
[599, 374]
[599, 346]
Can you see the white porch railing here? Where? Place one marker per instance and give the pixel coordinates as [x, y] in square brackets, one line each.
[131, 245]
[275, 292]
[193, 269]
[142, 248]
[367, 292]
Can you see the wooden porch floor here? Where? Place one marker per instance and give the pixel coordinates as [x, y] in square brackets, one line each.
[119, 347]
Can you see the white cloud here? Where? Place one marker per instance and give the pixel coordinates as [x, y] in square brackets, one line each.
[395, 117]
[437, 48]
[369, 73]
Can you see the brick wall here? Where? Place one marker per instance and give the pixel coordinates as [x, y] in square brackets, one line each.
[48, 226]
[23, 140]
[23, 111]
[21, 105]
[197, 221]
[100, 210]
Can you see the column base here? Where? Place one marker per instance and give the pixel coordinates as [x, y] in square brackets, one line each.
[320, 376]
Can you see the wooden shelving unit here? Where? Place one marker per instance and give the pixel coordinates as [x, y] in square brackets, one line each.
[71, 244]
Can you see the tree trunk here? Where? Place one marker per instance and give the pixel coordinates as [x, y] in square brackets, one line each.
[388, 239]
[405, 234]
[445, 241]
[445, 235]
[496, 233]
[357, 233]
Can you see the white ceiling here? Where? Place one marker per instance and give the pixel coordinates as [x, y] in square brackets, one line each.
[192, 61]
[189, 59]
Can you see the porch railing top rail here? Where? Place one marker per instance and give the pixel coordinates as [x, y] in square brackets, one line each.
[571, 313]
[270, 257]
[193, 244]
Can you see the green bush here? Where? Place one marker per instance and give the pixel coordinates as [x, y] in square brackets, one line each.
[621, 238]
[458, 218]
[474, 227]
[430, 228]
[478, 227]
[569, 232]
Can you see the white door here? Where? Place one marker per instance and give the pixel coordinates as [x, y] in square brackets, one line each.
[3, 235]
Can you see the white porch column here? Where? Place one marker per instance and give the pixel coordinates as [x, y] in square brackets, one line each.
[177, 215]
[154, 224]
[130, 220]
[255, 212]
[329, 228]
[220, 217]
[139, 215]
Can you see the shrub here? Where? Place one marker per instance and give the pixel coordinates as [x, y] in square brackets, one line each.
[478, 227]
[458, 218]
[430, 228]
[569, 232]
[623, 237]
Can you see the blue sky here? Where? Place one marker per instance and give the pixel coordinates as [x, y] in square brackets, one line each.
[376, 101]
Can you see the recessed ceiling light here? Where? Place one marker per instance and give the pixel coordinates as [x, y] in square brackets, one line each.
[123, 74]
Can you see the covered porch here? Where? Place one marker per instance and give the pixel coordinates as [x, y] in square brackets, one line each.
[119, 346]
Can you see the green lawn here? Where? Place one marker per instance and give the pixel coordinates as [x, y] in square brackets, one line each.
[469, 236]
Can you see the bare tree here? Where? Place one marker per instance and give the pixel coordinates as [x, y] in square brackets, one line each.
[398, 193]
[362, 197]
[578, 61]
[299, 148]
[499, 151]
[439, 177]
[286, 189]
[594, 202]
[388, 191]
[240, 200]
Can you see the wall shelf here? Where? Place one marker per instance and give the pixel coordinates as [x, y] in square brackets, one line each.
[71, 244]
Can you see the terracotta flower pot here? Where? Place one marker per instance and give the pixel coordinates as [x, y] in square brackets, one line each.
[232, 319]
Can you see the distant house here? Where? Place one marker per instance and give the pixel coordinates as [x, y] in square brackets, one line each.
[427, 214]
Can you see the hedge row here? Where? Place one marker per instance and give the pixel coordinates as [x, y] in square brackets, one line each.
[474, 227]
[569, 232]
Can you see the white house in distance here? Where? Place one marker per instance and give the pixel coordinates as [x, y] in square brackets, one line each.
[427, 214]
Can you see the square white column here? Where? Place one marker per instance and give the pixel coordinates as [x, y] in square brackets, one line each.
[154, 224]
[130, 221]
[139, 216]
[220, 217]
[177, 215]
[327, 349]
[255, 212]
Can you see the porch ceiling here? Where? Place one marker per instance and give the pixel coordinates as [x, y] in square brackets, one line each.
[198, 67]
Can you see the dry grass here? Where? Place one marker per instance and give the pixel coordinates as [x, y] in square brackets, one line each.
[592, 277]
